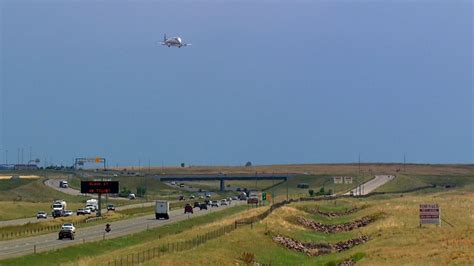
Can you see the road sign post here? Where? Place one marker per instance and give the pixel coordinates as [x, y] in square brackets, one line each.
[99, 187]
[430, 214]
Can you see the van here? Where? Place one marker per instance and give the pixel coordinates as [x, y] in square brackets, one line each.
[162, 209]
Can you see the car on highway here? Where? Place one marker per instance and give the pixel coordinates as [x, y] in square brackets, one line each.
[110, 207]
[173, 183]
[132, 196]
[181, 185]
[201, 197]
[224, 202]
[188, 208]
[203, 206]
[90, 208]
[87, 211]
[80, 212]
[67, 213]
[181, 197]
[67, 231]
[41, 215]
[192, 196]
[235, 198]
[208, 195]
[196, 204]
[214, 203]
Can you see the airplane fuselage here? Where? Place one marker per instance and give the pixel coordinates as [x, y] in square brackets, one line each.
[175, 41]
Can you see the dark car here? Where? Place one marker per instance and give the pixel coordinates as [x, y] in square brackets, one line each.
[188, 208]
[196, 204]
[203, 206]
[110, 207]
[181, 197]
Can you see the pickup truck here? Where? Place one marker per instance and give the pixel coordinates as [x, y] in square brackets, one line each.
[67, 231]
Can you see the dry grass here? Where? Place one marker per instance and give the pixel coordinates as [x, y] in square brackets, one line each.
[389, 168]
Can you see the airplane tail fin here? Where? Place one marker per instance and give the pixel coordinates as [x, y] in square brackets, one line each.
[164, 38]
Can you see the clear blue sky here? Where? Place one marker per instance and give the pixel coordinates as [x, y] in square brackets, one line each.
[270, 82]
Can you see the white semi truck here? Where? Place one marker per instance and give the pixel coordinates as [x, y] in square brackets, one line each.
[59, 206]
[162, 209]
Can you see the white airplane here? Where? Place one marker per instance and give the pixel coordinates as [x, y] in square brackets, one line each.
[175, 41]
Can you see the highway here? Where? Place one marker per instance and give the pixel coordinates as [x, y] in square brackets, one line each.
[371, 185]
[23, 246]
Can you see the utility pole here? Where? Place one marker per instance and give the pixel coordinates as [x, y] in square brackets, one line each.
[30, 154]
[404, 163]
[359, 163]
[149, 166]
[6, 156]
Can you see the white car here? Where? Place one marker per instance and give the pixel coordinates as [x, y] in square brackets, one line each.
[41, 215]
[90, 207]
[68, 227]
[87, 211]
[132, 196]
[67, 213]
[224, 202]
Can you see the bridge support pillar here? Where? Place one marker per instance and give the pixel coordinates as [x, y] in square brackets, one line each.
[222, 185]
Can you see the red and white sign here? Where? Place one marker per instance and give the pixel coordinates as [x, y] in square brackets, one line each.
[430, 214]
[338, 180]
[348, 180]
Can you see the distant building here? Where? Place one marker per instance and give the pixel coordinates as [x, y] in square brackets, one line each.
[25, 167]
[7, 166]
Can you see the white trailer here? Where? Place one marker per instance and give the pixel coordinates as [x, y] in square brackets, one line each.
[162, 209]
[59, 205]
[92, 203]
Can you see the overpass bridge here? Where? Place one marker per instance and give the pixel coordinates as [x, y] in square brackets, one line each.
[221, 178]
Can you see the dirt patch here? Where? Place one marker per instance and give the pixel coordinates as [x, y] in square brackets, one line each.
[317, 249]
[333, 214]
[335, 228]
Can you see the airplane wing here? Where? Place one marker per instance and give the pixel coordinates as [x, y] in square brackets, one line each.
[187, 44]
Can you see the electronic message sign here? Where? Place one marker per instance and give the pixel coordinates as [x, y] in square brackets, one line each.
[111, 187]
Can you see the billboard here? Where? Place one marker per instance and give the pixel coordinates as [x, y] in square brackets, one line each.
[337, 179]
[111, 187]
[430, 214]
[348, 180]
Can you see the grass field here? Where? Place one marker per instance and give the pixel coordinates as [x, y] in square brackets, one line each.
[315, 183]
[215, 185]
[321, 169]
[405, 182]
